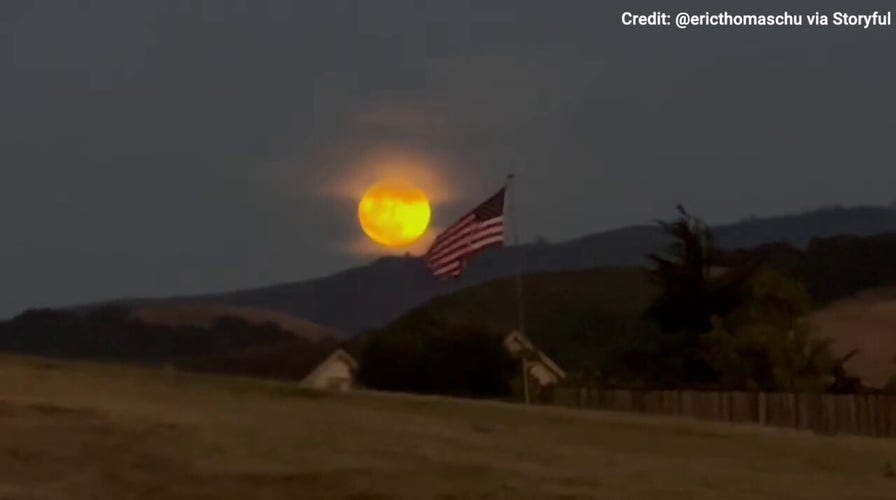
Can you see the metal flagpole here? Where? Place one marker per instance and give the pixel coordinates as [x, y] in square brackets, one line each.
[521, 321]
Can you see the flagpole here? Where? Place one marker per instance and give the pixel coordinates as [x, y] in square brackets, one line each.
[521, 321]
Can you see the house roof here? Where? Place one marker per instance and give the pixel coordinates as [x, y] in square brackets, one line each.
[522, 339]
[335, 355]
[293, 361]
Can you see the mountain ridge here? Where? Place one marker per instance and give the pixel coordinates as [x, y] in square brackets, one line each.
[371, 295]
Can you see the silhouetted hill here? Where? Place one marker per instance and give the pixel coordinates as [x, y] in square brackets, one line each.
[832, 268]
[113, 333]
[206, 315]
[591, 321]
[374, 294]
[583, 319]
[187, 338]
[286, 360]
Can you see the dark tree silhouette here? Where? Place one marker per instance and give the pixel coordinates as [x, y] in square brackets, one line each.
[692, 290]
[418, 357]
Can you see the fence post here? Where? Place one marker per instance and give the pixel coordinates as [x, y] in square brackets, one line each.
[872, 414]
[889, 416]
[863, 414]
[720, 404]
[761, 407]
[680, 398]
[731, 399]
[832, 414]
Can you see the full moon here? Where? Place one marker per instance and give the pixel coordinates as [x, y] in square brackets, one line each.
[394, 213]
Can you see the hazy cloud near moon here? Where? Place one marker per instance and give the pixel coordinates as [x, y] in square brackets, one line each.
[351, 177]
[179, 147]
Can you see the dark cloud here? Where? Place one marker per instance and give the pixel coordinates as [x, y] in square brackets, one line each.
[160, 148]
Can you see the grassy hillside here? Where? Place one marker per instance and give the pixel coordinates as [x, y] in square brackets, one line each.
[286, 361]
[587, 320]
[80, 431]
[867, 322]
[831, 268]
[116, 334]
[582, 319]
[371, 296]
[205, 316]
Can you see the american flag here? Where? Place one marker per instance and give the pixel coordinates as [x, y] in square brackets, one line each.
[478, 230]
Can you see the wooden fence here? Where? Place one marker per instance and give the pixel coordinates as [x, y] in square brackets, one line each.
[860, 414]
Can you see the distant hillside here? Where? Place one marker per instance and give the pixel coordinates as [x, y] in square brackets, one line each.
[205, 316]
[582, 319]
[375, 294]
[191, 338]
[832, 268]
[288, 360]
[115, 334]
[586, 319]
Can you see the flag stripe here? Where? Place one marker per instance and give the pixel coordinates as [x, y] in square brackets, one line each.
[453, 229]
[466, 237]
[458, 237]
[478, 230]
[462, 227]
[490, 234]
[451, 269]
[456, 248]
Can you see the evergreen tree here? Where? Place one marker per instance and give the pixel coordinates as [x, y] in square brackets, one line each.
[422, 357]
[692, 290]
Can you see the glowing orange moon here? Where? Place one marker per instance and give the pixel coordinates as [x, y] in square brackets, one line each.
[394, 213]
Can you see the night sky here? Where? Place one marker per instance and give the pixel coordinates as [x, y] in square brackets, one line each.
[161, 148]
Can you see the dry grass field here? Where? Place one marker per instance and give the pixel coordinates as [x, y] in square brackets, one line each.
[867, 322]
[83, 431]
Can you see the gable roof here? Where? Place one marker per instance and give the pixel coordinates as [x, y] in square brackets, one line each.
[338, 354]
[517, 336]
